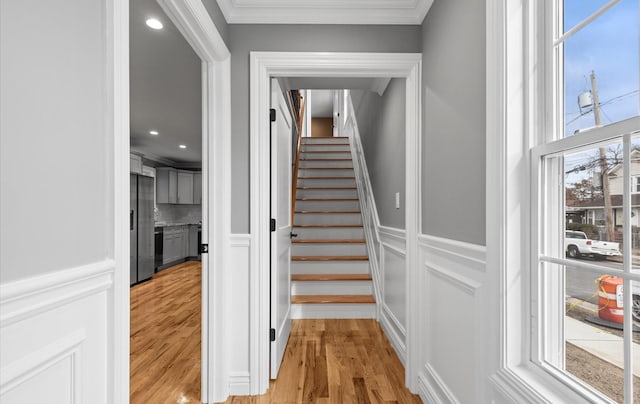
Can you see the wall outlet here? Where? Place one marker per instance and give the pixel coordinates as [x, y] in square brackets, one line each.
[397, 200]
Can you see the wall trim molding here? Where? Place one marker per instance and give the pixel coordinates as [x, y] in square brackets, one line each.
[408, 12]
[240, 240]
[239, 383]
[263, 66]
[463, 283]
[34, 363]
[28, 297]
[473, 255]
[395, 332]
[436, 387]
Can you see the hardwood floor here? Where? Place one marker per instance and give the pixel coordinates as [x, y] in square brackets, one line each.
[336, 361]
[165, 337]
[326, 361]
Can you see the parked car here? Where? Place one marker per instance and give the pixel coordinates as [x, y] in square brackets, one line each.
[577, 244]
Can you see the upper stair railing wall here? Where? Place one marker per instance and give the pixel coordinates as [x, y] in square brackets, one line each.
[297, 102]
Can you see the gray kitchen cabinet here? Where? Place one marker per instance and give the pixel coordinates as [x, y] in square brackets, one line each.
[166, 185]
[175, 243]
[197, 188]
[185, 188]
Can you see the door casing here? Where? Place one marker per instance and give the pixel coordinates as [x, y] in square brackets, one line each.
[263, 67]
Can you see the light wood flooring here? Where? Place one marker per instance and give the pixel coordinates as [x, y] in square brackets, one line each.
[336, 361]
[165, 337]
[326, 361]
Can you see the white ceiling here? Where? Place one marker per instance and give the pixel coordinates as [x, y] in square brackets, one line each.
[409, 12]
[165, 89]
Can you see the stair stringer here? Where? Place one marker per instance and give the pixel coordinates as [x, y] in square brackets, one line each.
[368, 207]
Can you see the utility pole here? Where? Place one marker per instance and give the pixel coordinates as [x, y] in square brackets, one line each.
[604, 167]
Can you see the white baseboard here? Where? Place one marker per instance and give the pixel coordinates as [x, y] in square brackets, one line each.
[239, 383]
[395, 333]
[347, 310]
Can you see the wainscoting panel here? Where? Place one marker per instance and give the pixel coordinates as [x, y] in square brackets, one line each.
[56, 339]
[238, 294]
[393, 312]
[452, 279]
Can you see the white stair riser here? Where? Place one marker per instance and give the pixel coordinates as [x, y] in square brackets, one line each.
[328, 206]
[325, 155]
[347, 172]
[325, 164]
[328, 218]
[314, 140]
[326, 193]
[325, 148]
[330, 267]
[306, 233]
[335, 310]
[329, 249]
[323, 182]
[331, 288]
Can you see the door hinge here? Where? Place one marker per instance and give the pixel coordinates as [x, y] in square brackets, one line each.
[204, 249]
[273, 224]
[272, 115]
[272, 334]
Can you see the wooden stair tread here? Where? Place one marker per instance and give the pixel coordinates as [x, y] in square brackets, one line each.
[328, 212]
[329, 258]
[330, 241]
[319, 299]
[323, 226]
[314, 188]
[326, 178]
[325, 151]
[330, 277]
[326, 168]
[326, 199]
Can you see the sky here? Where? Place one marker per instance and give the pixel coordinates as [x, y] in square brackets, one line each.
[609, 47]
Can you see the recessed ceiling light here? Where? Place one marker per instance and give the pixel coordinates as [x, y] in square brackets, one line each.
[153, 132]
[182, 146]
[154, 23]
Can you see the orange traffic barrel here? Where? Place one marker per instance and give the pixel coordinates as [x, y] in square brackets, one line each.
[610, 299]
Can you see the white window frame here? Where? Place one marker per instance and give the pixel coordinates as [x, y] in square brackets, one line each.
[519, 60]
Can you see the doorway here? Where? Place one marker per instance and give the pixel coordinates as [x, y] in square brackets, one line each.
[264, 67]
[195, 25]
[165, 211]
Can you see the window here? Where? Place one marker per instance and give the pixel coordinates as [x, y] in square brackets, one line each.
[585, 162]
[635, 187]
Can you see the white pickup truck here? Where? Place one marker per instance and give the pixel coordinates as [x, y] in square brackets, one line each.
[577, 244]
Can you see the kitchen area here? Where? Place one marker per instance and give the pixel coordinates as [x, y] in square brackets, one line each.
[165, 217]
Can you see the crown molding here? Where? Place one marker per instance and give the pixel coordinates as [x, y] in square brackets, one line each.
[355, 12]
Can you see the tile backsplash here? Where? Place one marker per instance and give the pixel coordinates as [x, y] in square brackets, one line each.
[178, 213]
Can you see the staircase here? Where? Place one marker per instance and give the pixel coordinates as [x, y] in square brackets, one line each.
[329, 262]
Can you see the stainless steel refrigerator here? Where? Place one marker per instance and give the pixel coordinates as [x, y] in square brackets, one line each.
[141, 228]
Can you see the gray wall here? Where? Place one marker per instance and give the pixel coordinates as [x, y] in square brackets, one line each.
[218, 19]
[334, 38]
[381, 123]
[453, 76]
[56, 163]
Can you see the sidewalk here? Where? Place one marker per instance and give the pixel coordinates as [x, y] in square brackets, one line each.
[602, 344]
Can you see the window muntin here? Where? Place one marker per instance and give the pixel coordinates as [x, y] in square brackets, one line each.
[566, 157]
